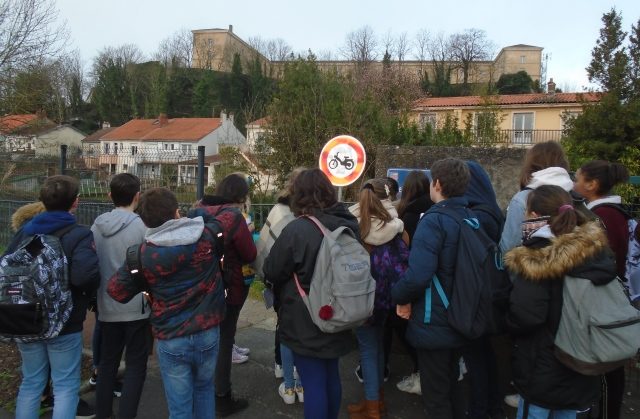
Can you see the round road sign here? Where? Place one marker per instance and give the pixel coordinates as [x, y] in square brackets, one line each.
[342, 159]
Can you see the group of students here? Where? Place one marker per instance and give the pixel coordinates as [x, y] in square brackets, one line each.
[554, 227]
[184, 296]
[191, 300]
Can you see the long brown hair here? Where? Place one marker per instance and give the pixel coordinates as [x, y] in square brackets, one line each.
[312, 191]
[415, 185]
[606, 174]
[556, 203]
[542, 156]
[371, 194]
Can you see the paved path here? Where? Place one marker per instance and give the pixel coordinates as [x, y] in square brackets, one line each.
[255, 379]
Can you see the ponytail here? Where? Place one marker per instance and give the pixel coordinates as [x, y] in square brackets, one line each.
[606, 174]
[556, 203]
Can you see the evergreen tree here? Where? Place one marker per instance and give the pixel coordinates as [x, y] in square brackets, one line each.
[112, 95]
[515, 83]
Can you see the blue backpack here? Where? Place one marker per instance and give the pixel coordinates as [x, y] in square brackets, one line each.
[480, 284]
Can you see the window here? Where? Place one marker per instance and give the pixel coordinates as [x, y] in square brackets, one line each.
[425, 119]
[115, 148]
[112, 169]
[185, 149]
[173, 146]
[523, 59]
[106, 148]
[522, 128]
[166, 146]
[134, 150]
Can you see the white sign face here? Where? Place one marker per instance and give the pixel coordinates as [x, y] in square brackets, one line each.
[341, 160]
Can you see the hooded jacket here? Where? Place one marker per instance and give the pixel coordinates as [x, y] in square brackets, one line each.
[380, 232]
[481, 199]
[538, 269]
[181, 270]
[114, 232]
[434, 251]
[239, 248]
[79, 248]
[295, 250]
[26, 213]
[512, 233]
[615, 223]
[279, 216]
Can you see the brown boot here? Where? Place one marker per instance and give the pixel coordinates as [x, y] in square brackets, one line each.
[357, 407]
[371, 411]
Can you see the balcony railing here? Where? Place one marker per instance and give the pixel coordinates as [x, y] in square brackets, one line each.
[514, 137]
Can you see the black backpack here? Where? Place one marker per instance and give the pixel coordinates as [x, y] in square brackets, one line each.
[481, 286]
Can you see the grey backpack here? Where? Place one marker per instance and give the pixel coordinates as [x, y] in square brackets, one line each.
[35, 299]
[342, 290]
[599, 329]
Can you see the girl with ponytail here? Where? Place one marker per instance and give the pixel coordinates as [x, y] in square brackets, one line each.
[594, 181]
[381, 231]
[557, 242]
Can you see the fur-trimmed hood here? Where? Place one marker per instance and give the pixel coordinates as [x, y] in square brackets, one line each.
[26, 213]
[583, 253]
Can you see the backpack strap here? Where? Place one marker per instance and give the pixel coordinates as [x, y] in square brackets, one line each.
[428, 298]
[134, 265]
[318, 224]
[619, 207]
[235, 225]
[298, 286]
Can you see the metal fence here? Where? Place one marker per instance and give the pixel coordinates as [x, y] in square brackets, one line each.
[182, 168]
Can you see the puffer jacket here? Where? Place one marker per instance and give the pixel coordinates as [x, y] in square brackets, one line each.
[433, 252]
[295, 250]
[181, 270]
[538, 269]
[239, 248]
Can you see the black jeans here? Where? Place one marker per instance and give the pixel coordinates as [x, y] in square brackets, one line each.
[612, 394]
[227, 339]
[485, 396]
[442, 394]
[136, 337]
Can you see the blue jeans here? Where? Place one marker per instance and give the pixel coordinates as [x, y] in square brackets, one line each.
[537, 412]
[371, 343]
[322, 391]
[61, 355]
[287, 367]
[188, 366]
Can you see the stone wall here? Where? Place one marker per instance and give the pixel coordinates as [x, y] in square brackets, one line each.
[502, 164]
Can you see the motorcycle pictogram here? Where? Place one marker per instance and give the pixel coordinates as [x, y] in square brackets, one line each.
[347, 162]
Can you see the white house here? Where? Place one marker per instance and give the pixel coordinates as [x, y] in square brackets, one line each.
[151, 148]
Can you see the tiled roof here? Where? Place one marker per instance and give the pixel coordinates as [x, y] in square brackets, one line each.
[523, 99]
[95, 137]
[177, 129]
[11, 123]
[260, 122]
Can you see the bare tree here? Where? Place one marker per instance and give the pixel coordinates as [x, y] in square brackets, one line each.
[388, 44]
[125, 55]
[361, 45]
[273, 49]
[176, 50]
[423, 37]
[29, 33]
[469, 47]
[205, 52]
[402, 46]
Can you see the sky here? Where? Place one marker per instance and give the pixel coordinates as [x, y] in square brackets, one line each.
[566, 29]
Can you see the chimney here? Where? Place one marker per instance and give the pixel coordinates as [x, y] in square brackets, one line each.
[551, 87]
[106, 124]
[231, 28]
[163, 120]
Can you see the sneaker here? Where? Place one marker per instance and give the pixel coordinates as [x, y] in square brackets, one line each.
[84, 411]
[228, 405]
[238, 358]
[278, 371]
[93, 380]
[241, 350]
[46, 404]
[117, 389]
[410, 384]
[300, 393]
[512, 400]
[287, 394]
[359, 374]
